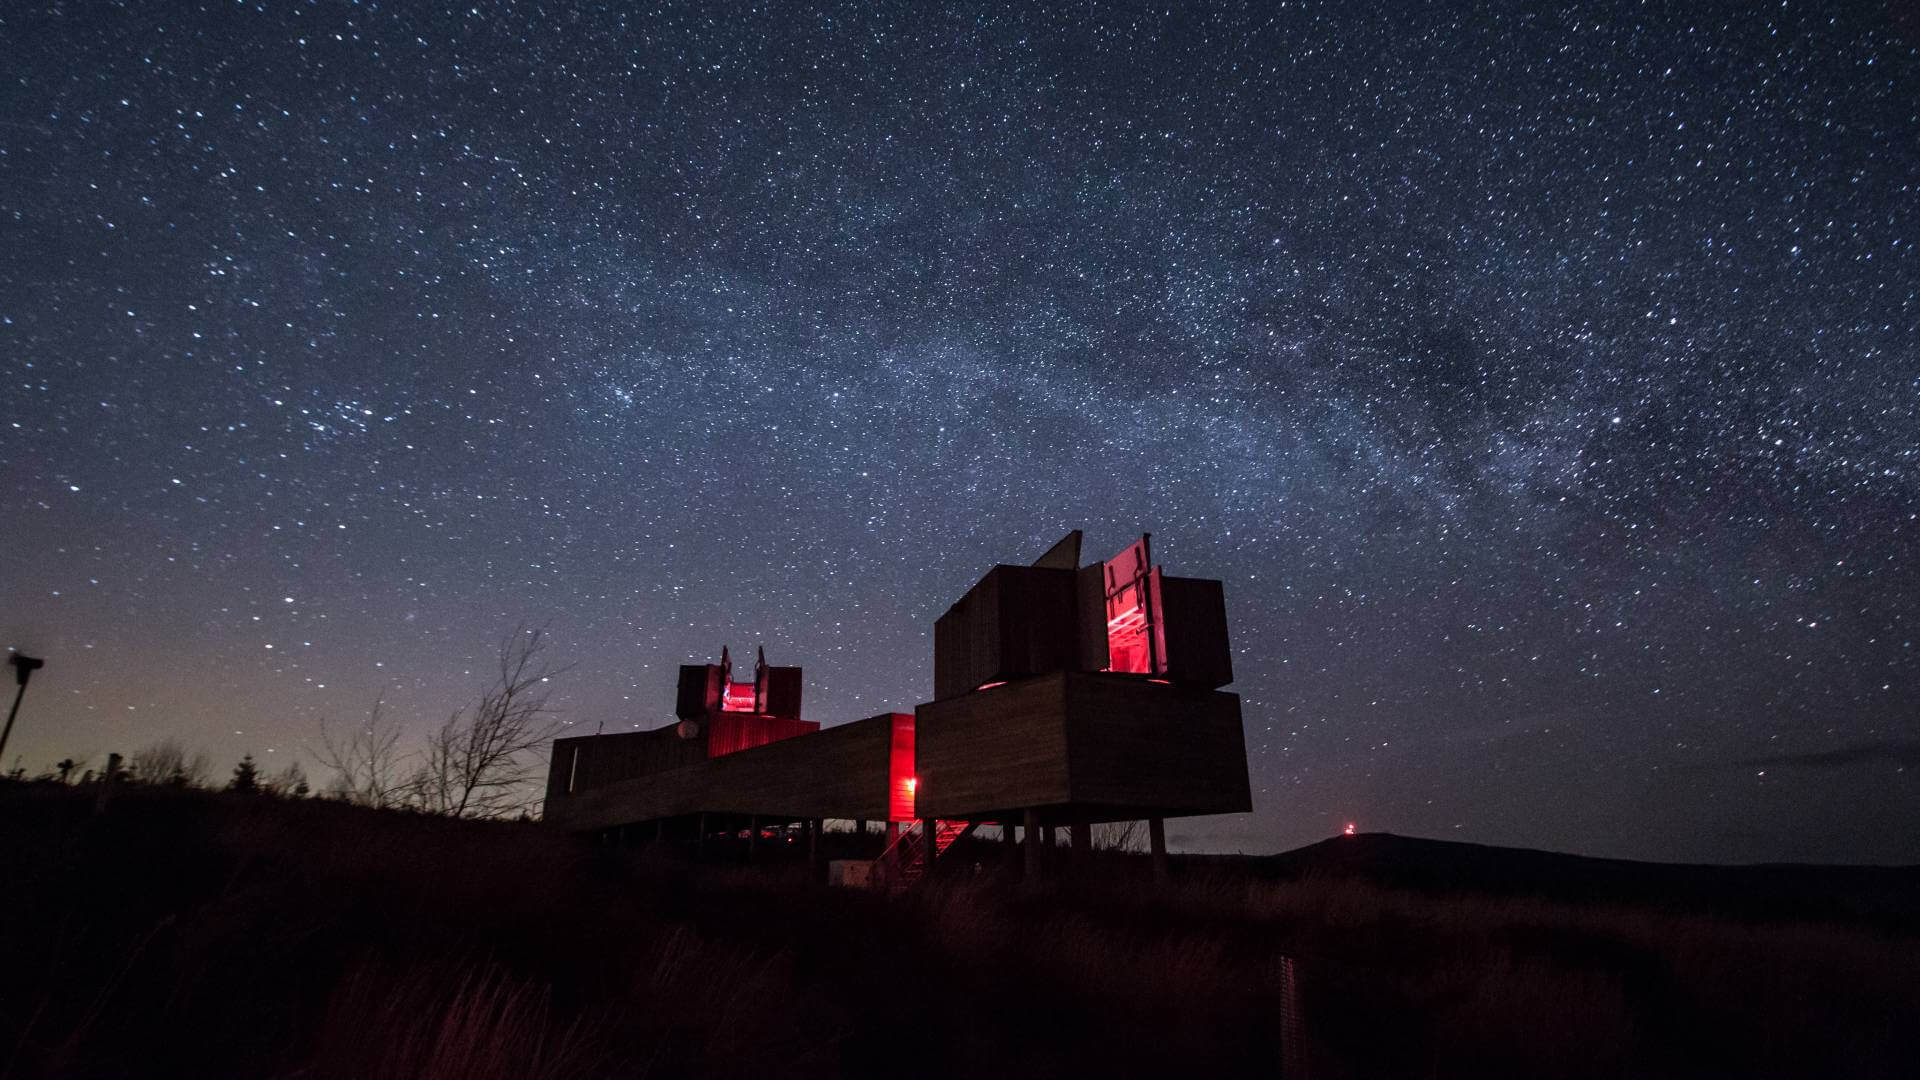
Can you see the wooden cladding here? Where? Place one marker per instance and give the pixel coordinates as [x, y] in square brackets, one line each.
[1072, 746]
[840, 772]
[1017, 621]
[1118, 747]
[730, 733]
[699, 690]
[1194, 611]
[1144, 744]
[999, 748]
[1021, 621]
[783, 692]
[590, 761]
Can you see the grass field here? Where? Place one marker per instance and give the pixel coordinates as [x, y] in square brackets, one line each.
[186, 933]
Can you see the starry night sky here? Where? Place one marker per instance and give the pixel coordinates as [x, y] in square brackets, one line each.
[1545, 385]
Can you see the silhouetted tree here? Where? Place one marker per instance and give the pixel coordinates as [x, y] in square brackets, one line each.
[479, 762]
[366, 761]
[290, 781]
[167, 762]
[246, 777]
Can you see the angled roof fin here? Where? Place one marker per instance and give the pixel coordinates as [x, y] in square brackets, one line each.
[1064, 555]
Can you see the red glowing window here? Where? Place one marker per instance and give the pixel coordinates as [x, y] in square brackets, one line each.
[738, 697]
[1136, 641]
[902, 782]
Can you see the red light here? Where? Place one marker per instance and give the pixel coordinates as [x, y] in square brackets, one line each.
[1348, 831]
[913, 783]
[900, 778]
[1136, 637]
[738, 697]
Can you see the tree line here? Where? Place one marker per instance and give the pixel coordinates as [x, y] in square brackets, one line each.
[482, 762]
[168, 764]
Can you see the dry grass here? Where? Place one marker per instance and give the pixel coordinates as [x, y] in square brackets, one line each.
[213, 935]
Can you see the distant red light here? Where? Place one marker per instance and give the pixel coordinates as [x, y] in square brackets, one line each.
[1349, 830]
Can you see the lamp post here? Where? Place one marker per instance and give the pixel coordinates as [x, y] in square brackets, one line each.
[23, 668]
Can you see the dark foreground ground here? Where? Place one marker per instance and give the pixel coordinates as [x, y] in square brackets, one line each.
[192, 934]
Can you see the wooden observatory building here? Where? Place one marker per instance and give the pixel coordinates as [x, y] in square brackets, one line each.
[1064, 695]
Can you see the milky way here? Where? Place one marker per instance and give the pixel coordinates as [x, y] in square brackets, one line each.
[1545, 386]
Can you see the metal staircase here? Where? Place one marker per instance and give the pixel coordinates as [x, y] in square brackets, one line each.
[905, 861]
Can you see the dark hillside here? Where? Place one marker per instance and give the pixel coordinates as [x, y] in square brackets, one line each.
[182, 933]
[1887, 895]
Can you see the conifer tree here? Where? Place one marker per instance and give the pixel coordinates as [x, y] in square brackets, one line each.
[246, 777]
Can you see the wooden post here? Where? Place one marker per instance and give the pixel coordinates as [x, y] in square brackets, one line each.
[1082, 839]
[929, 830]
[860, 827]
[108, 781]
[700, 837]
[1012, 839]
[1157, 844]
[1031, 823]
[1051, 838]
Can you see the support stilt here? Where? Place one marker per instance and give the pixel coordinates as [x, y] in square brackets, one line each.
[1157, 845]
[1031, 823]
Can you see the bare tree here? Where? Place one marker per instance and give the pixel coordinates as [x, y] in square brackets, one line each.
[290, 781]
[1119, 836]
[167, 762]
[366, 760]
[479, 763]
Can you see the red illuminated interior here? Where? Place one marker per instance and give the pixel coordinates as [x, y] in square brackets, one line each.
[738, 697]
[1127, 640]
[1135, 643]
